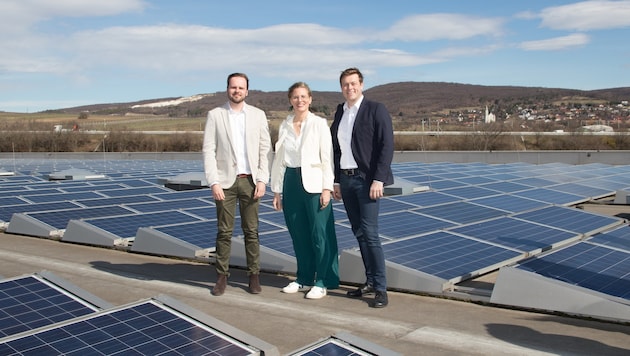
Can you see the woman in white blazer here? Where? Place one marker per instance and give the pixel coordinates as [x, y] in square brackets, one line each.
[302, 179]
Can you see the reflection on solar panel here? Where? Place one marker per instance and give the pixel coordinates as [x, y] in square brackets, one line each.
[143, 328]
[30, 302]
[447, 255]
[587, 265]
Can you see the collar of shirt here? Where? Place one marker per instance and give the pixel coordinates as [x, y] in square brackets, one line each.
[356, 105]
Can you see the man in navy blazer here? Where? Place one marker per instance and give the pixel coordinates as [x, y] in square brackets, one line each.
[363, 149]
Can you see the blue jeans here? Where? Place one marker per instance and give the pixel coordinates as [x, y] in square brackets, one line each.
[363, 214]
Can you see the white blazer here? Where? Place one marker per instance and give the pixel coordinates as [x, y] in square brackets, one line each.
[218, 153]
[316, 155]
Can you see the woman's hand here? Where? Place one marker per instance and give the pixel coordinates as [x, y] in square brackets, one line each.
[277, 201]
[324, 199]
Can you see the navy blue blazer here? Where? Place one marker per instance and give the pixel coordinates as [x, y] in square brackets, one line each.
[372, 142]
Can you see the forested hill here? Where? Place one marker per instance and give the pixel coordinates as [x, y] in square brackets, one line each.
[405, 98]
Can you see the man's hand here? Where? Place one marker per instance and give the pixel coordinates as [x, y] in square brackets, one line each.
[337, 192]
[259, 192]
[217, 192]
[376, 190]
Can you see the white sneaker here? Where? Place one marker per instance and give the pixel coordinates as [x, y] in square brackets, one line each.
[293, 287]
[316, 293]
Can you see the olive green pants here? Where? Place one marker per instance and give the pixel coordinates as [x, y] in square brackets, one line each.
[312, 231]
[242, 191]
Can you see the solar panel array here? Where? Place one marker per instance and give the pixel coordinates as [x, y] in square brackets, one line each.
[44, 315]
[475, 217]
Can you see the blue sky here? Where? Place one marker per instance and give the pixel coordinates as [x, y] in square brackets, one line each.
[64, 53]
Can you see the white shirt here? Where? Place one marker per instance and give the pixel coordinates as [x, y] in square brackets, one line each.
[292, 143]
[344, 135]
[237, 123]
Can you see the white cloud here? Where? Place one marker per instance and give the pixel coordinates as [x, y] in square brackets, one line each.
[18, 15]
[442, 26]
[557, 43]
[587, 15]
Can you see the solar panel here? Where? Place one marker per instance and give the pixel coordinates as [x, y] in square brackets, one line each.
[505, 186]
[129, 199]
[447, 255]
[587, 265]
[194, 193]
[343, 344]
[509, 203]
[143, 328]
[552, 196]
[618, 238]
[27, 192]
[470, 192]
[59, 218]
[583, 190]
[46, 198]
[11, 201]
[461, 212]
[201, 233]
[405, 223]
[570, 219]
[168, 205]
[133, 191]
[6, 212]
[534, 182]
[91, 187]
[127, 226]
[517, 234]
[30, 302]
[426, 199]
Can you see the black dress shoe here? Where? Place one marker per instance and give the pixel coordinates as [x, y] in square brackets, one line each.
[361, 291]
[380, 299]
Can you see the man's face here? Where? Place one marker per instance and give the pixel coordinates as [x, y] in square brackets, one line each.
[351, 88]
[237, 90]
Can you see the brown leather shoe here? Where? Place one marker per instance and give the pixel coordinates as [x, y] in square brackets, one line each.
[219, 287]
[254, 284]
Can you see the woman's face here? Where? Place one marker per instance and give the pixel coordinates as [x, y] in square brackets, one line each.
[300, 100]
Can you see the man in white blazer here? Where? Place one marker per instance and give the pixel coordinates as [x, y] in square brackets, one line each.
[236, 149]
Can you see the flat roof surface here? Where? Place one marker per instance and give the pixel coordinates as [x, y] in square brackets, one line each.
[411, 325]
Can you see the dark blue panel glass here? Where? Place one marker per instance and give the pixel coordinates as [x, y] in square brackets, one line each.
[517, 234]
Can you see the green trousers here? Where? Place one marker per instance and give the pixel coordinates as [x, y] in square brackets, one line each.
[313, 233]
[242, 191]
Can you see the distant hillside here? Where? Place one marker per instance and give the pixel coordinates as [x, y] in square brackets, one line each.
[409, 99]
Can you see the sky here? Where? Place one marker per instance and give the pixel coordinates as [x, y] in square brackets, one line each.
[66, 53]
